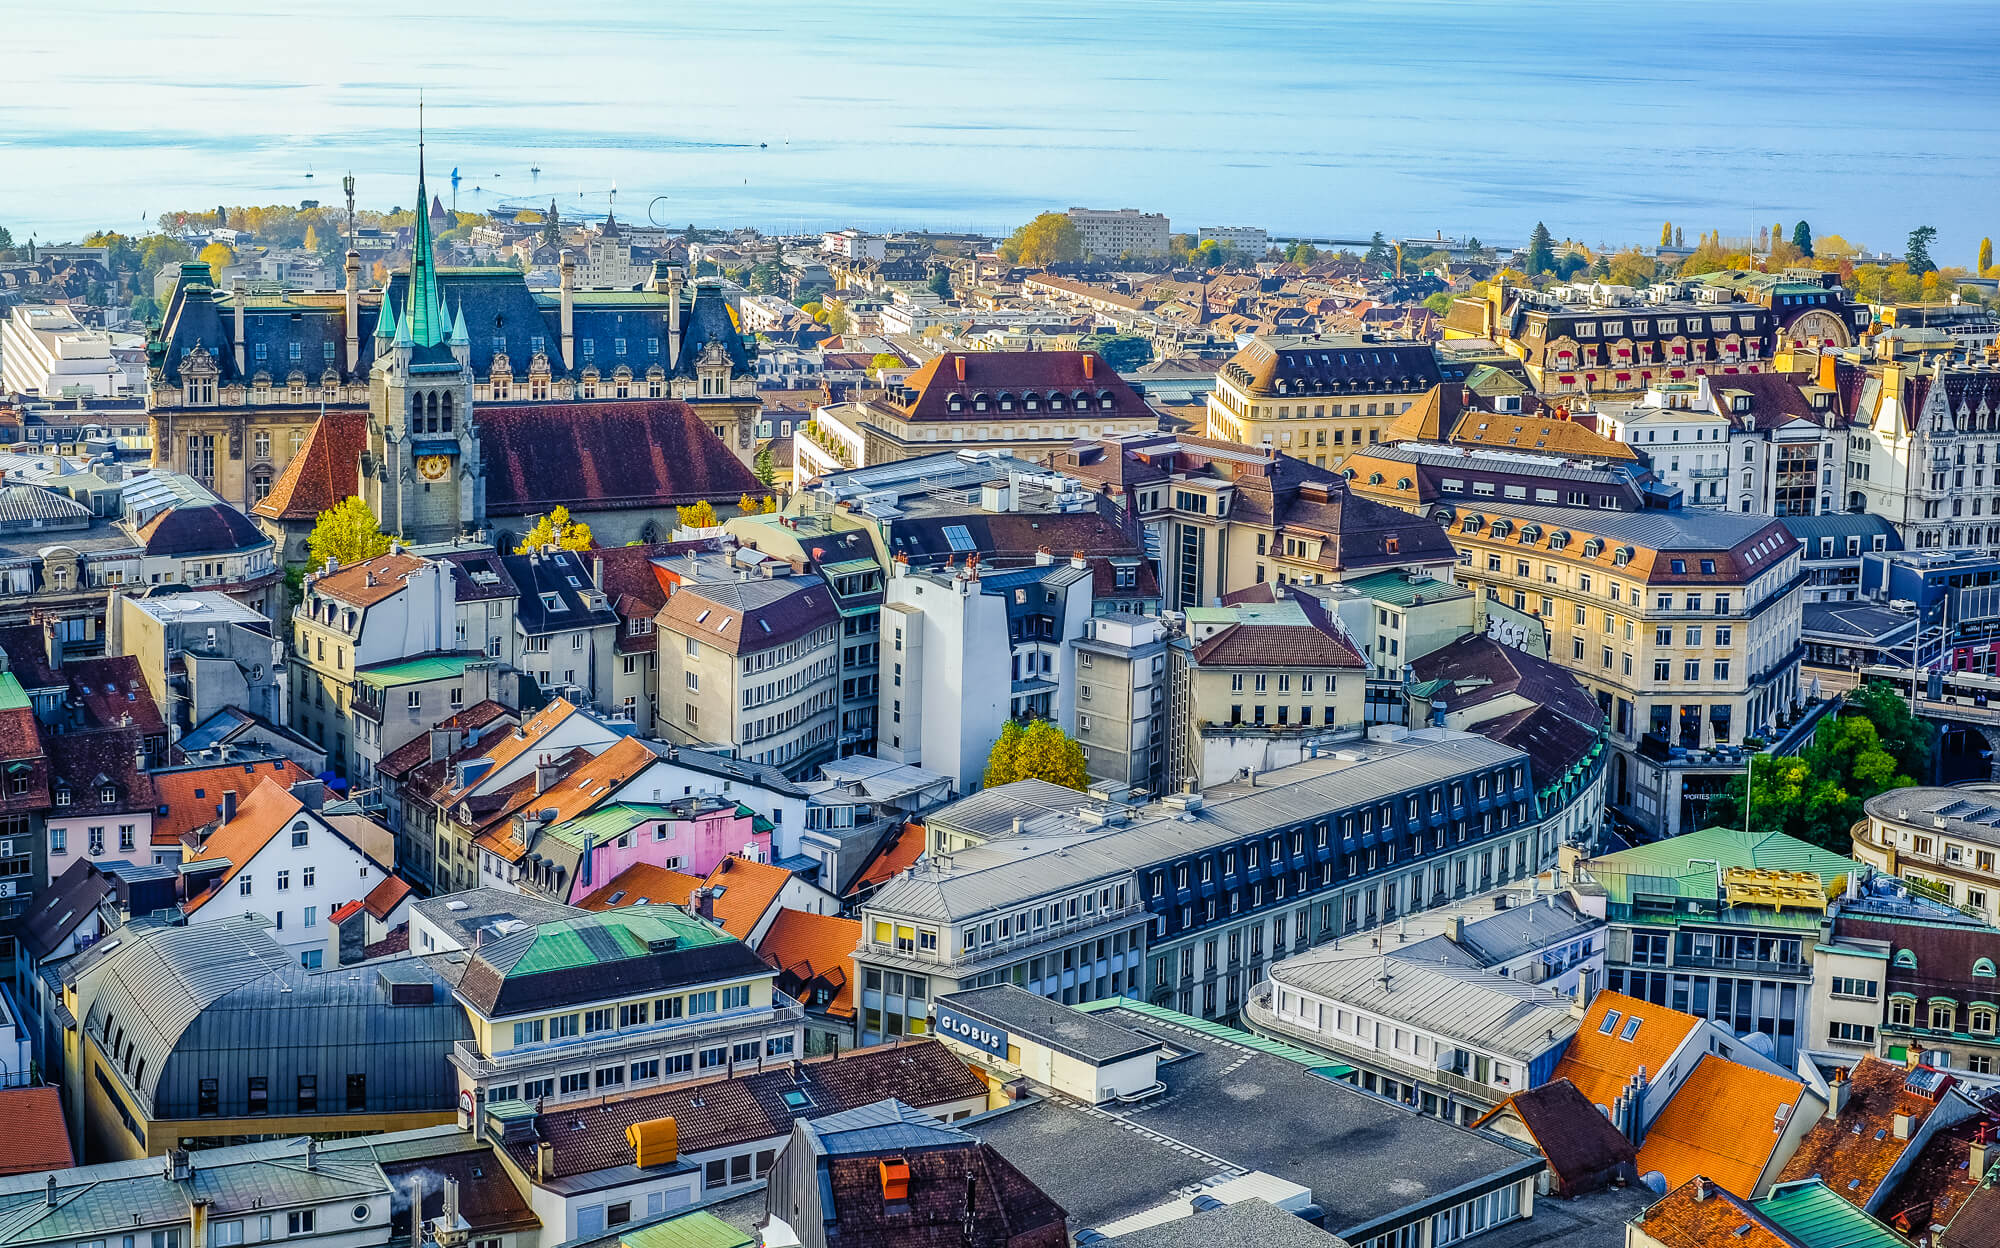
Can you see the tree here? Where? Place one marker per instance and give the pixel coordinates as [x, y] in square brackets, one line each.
[1875, 745]
[1802, 238]
[558, 530]
[347, 532]
[1632, 267]
[1123, 352]
[1302, 254]
[1037, 750]
[885, 359]
[940, 283]
[144, 309]
[1666, 234]
[837, 318]
[765, 466]
[1985, 256]
[1680, 239]
[1541, 257]
[815, 310]
[1050, 238]
[217, 257]
[1918, 254]
[700, 515]
[1378, 249]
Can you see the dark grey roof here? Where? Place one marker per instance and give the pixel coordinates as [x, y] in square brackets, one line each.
[460, 915]
[1841, 525]
[1231, 1109]
[1507, 934]
[74, 896]
[1033, 1016]
[708, 762]
[565, 575]
[1855, 622]
[1253, 1223]
[1971, 811]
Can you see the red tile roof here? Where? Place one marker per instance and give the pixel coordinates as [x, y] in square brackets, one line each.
[1724, 1122]
[1686, 1218]
[895, 857]
[36, 1137]
[371, 581]
[1065, 373]
[816, 950]
[749, 889]
[383, 899]
[322, 473]
[21, 748]
[643, 883]
[258, 818]
[114, 692]
[597, 456]
[1837, 1153]
[1254, 644]
[192, 796]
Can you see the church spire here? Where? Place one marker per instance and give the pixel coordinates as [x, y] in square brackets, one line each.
[423, 304]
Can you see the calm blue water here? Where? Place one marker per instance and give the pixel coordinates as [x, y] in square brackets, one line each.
[1339, 117]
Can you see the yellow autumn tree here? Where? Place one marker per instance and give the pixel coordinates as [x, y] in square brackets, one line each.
[770, 504]
[1985, 256]
[217, 257]
[1037, 750]
[700, 515]
[347, 532]
[747, 505]
[558, 530]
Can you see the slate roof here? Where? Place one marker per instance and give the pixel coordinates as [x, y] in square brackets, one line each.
[36, 1138]
[717, 1113]
[200, 529]
[601, 456]
[1065, 374]
[62, 906]
[565, 575]
[1334, 364]
[1253, 1223]
[1558, 727]
[744, 617]
[323, 473]
[1724, 1123]
[1578, 1142]
[487, 1199]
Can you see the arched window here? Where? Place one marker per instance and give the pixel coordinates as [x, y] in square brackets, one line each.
[445, 409]
[1906, 958]
[1981, 1019]
[1941, 1015]
[1593, 548]
[1983, 968]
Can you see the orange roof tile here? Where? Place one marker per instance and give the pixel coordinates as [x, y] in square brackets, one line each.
[1723, 1123]
[383, 899]
[366, 583]
[748, 890]
[36, 1137]
[1681, 1219]
[192, 797]
[896, 858]
[323, 473]
[258, 818]
[1833, 1151]
[815, 946]
[511, 745]
[1600, 1063]
[642, 882]
[595, 781]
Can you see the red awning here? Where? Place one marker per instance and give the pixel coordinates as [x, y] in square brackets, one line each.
[1730, 369]
[1624, 376]
[1567, 379]
[1677, 373]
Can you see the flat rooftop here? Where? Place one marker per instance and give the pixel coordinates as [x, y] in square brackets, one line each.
[1235, 1104]
[1030, 1016]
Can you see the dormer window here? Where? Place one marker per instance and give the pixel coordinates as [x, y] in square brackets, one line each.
[107, 793]
[62, 797]
[956, 403]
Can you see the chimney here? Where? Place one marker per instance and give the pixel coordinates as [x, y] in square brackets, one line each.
[479, 1114]
[1902, 1126]
[228, 805]
[1838, 1093]
[958, 364]
[673, 315]
[1703, 1189]
[1586, 990]
[1454, 929]
[567, 263]
[311, 794]
[240, 293]
[1089, 366]
[180, 1167]
[545, 1161]
[353, 267]
[597, 571]
[441, 739]
[704, 904]
[1982, 1156]
[50, 1198]
[1076, 560]
[450, 1217]
[197, 1219]
[1044, 556]
[52, 646]
[312, 1152]
[545, 772]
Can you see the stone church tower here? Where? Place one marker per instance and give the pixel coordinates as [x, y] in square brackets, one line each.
[421, 471]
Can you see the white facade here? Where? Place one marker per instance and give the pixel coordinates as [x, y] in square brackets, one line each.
[1245, 240]
[47, 352]
[852, 244]
[1110, 233]
[301, 875]
[1688, 446]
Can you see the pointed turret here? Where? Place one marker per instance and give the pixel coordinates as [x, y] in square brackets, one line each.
[458, 335]
[405, 333]
[385, 324]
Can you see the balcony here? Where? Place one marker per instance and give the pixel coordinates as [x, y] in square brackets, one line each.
[466, 1056]
[1752, 966]
[1705, 474]
[1265, 1021]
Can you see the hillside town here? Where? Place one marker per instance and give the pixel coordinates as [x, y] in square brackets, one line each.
[539, 731]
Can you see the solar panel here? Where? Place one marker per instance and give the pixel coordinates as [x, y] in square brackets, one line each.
[960, 537]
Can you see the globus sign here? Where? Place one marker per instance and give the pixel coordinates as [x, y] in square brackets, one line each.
[970, 1031]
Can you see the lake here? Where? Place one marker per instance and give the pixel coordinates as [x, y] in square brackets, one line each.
[1323, 119]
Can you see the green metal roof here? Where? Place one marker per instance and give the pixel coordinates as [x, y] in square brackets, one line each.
[12, 697]
[608, 822]
[1663, 866]
[845, 566]
[1316, 1062]
[1813, 1214]
[1396, 589]
[696, 1229]
[613, 935]
[434, 667]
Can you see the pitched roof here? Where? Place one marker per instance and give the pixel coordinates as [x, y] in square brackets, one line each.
[743, 617]
[1854, 1153]
[114, 693]
[322, 473]
[1724, 1122]
[1815, 1215]
[642, 884]
[511, 745]
[1578, 1141]
[191, 797]
[596, 780]
[259, 818]
[600, 456]
[1601, 1061]
[370, 581]
[1693, 1216]
[743, 891]
[815, 947]
[586, 958]
[383, 899]
[86, 764]
[966, 373]
[36, 1137]
[895, 856]
[1252, 643]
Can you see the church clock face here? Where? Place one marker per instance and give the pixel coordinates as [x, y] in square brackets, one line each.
[1817, 328]
[433, 467]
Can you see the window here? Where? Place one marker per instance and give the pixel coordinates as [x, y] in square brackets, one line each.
[308, 1094]
[257, 1097]
[357, 1093]
[299, 1222]
[221, 1234]
[208, 1098]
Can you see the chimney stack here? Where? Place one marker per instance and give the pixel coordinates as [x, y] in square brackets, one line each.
[545, 1160]
[50, 1198]
[567, 266]
[545, 772]
[1902, 1126]
[1982, 1156]
[228, 805]
[312, 1152]
[1703, 1189]
[311, 793]
[1838, 1093]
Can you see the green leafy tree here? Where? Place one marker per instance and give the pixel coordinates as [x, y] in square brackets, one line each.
[1050, 238]
[837, 318]
[1918, 254]
[1038, 750]
[347, 532]
[885, 359]
[558, 530]
[1301, 254]
[1123, 352]
[1680, 239]
[1817, 795]
[939, 283]
[1541, 256]
[765, 466]
[145, 309]
[1378, 249]
[1985, 256]
[1802, 239]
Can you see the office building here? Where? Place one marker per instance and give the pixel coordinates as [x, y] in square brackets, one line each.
[1321, 398]
[1108, 233]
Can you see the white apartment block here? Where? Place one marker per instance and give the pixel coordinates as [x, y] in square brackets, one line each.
[47, 352]
[1108, 234]
[1245, 240]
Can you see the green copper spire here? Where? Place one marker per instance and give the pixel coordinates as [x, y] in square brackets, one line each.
[404, 332]
[423, 314]
[385, 324]
[458, 336]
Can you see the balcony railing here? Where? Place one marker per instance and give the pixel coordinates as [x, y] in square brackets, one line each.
[466, 1055]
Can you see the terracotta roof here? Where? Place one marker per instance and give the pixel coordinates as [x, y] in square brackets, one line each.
[894, 857]
[642, 883]
[415, 752]
[114, 693]
[259, 817]
[383, 899]
[36, 1137]
[717, 1113]
[1853, 1163]
[344, 913]
[85, 763]
[1684, 1219]
[512, 745]
[1600, 1063]
[599, 456]
[322, 473]
[1977, 1220]
[1295, 645]
[743, 617]
[749, 889]
[815, 949]
[371, 581]
[1065, 373]
[596, 780]
[191, 797]
[1724, 1122]
[1578, 1141]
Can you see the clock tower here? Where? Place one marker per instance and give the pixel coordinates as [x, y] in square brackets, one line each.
[421, 470]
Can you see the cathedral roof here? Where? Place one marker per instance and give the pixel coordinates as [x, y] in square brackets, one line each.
[603, 455]
[322, 473]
